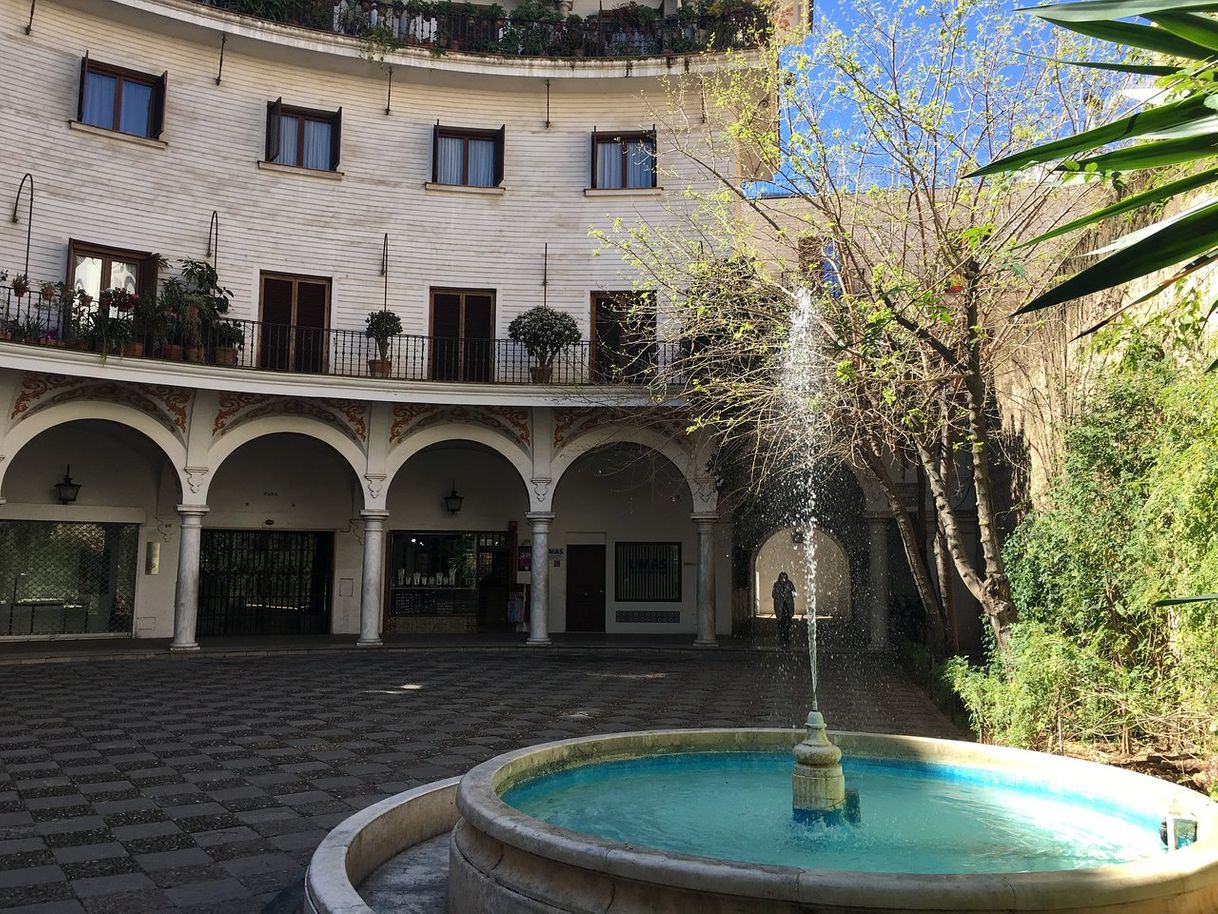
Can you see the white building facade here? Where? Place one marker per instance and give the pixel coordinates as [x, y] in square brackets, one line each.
[260, 475]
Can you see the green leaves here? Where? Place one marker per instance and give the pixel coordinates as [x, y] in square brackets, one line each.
[1181, 132]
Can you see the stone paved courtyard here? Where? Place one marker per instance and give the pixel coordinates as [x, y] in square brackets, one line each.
[204, 784]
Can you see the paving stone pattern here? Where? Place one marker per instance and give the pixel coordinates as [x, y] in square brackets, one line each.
[204, 784]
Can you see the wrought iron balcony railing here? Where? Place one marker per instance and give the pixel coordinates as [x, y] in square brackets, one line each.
[261, 345]
[628, 31]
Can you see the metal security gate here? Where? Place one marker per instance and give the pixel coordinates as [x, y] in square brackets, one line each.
[66, 578]
[264, 582]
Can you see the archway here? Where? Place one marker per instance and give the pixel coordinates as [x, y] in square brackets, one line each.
[787, 550]
[281, 549]
[623, 548]
[456, 518]
[101, 563]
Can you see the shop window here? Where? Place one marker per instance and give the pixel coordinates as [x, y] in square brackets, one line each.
[303, 138]
[115, 98]
[647, 573]
[473, 158]
[623, 160]
[67, 578]
[449, 574]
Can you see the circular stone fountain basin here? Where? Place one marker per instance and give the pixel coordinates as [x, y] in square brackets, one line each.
[700, 820]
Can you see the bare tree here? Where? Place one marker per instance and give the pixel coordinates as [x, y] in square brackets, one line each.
[856, 307]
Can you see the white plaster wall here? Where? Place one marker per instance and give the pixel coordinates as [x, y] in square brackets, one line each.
[831, 574]
[128, 195]
[494, 492]
[124, 479]
[620, 493]
[297, 483]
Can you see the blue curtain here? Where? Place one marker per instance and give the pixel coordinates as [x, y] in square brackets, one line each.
[448, 166]
[317, 145]
[99, 100]
[135, 112]
[609, 165]
[640, 164]
[482, 163]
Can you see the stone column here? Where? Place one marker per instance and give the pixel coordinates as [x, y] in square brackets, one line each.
[878, 583]
[706, 580]
[371, 588]
[539, 597]
[186, 603]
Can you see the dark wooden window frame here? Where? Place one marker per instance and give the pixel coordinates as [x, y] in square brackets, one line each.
[108, 254]
[296, 279]
[623, 140]
[498, 137]
[593, 339]
[617, 582]
[277, 110]
[158, 84]
[449, 290]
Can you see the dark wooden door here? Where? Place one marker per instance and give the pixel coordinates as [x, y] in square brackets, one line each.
[585, 588]
[623, 333]
[293, 335]
[462, 329]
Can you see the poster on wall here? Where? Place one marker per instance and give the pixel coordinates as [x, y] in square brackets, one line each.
[524, 557]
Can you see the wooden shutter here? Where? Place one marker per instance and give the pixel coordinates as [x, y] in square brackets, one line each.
[435, 153]
[274, 128]
[80, 95]
[149, 267]
[158, 105]
[500, 143]
[592, 161]
[655, 159]
[336, 139]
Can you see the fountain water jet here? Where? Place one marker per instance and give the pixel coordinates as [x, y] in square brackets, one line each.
[818, 785]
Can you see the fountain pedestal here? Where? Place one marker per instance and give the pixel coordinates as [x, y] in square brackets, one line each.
[818, 787]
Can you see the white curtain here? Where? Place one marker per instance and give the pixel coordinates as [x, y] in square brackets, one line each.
[448, 163]
[639, 164]
[99, 100]
[288, 139]
[482, 163]
[317, 145]
[609, 165]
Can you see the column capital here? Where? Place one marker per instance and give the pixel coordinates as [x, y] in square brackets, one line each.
[193, 510]
[705, 517]
[539, 518]
[374, 515]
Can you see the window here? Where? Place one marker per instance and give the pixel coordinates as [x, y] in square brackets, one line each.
[470, 157]
[647, 573]
[302, 138]
[623, 160]
[295, 315]
[94, 268]
[115, 98]
[462, 331]
[623, 336]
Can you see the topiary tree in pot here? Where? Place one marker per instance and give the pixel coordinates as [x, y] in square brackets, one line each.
[382, 326]
[544, 332]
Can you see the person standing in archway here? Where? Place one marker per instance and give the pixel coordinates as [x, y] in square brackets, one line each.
[784, 607]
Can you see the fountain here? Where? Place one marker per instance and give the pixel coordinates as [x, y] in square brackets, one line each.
[719, 821]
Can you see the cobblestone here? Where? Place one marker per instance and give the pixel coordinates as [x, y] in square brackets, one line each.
[205, 784]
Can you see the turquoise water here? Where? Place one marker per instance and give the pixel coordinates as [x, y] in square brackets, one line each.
[916, 818]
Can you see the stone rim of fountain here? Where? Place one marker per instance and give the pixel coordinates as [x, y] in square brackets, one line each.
[483, 809]
[369, 838]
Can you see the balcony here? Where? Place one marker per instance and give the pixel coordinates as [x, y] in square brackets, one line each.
[630, 31]
[244, 345]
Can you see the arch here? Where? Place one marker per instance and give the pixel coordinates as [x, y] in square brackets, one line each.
[701, 489]
[243, 434]
[780, 552]
[446, 432]
[43, 420]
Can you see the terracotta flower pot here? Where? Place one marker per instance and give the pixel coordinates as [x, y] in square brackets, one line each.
[379, 368]
[194, 354]
[171, 351]
[540, 374]
[226, 355]
[134, 349]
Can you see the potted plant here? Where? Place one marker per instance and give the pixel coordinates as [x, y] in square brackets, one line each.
[382, 326]
[105, 333]
[544, 332]
[229, 341]
[47, 291]
[191, 305]
[21, 285]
